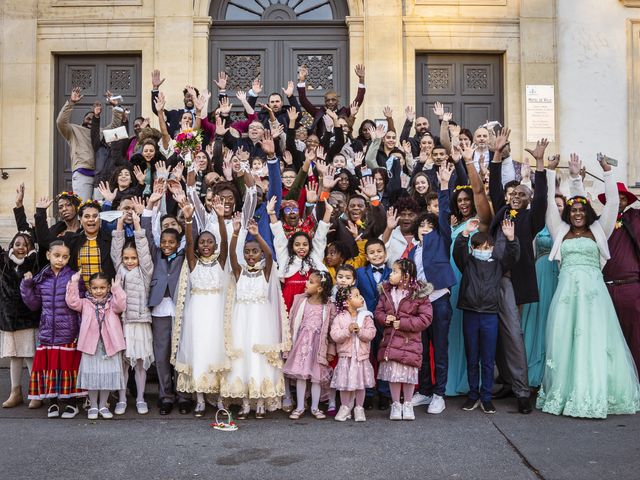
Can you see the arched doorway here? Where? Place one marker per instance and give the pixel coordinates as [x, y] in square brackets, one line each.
[272, 38]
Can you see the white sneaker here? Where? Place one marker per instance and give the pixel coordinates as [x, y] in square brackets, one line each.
[437, 405]
[420, 399]
[92, 414]
[407, 411]
[343, 414]
[121, 407]
[396, 411]
[142, 408]
[358, 414]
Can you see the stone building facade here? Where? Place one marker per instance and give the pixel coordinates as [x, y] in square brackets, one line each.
[413, 50]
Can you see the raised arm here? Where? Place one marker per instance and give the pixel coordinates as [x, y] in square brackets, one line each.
[266, 251]
[483, 209]
[64, 117]
[160, 103]
[610, 212]
[218, 208]
[233, 254]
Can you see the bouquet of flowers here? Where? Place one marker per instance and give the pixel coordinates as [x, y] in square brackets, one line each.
[187, 143]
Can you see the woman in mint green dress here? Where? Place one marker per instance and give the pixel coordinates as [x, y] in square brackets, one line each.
[589, 371]
[466, 202]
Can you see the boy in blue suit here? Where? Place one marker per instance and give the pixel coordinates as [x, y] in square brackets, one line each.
[432, 259]
[368, 279]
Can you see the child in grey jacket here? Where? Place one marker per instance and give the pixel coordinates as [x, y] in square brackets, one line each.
[132, 261]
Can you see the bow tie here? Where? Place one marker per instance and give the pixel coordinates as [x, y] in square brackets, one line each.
[378, 269]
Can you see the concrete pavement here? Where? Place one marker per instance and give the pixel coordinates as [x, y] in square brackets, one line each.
[455, 444]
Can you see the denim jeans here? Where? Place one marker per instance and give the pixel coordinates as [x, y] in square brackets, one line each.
[480, 339]
[438, 334]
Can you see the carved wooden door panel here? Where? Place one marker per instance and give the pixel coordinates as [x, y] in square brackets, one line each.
[95, 74]
[470, 86]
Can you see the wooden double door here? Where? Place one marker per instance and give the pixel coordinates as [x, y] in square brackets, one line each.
[94, 74]
[469, 85]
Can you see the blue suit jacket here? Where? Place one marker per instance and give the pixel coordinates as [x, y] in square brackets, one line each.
[436, 247]
[368, 286]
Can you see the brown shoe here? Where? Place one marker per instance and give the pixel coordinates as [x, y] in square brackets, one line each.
[35, 404]
[15, 398]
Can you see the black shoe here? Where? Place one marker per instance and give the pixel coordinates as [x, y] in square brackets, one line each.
[470, 404]
[383, 403]
[184, 407]
[165, 408]
[487, 407]
[368, 403]
[524, 405]
[504, 392]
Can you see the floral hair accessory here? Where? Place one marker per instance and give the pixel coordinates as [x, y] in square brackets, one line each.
[90, 203]
[72, 196]
[581, 200]
[462, 187]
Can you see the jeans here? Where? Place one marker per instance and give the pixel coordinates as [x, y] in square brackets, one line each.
[82, 185]
[438, 334]
[480, 340]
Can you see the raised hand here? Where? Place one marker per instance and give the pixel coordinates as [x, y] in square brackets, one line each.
[277, 130]
[359, 71]
[354, 108]
[44, 202]
[155, 79]
[472, 225]
[187, 210]
[139, 174]
[267, 144]
[368, 187]
[109, 96]
[243, 154]
[252, 227]
[381, 131]
[135, 217]
[438, 110]
[387, 112]
[502, 140]
[467, 154]
[159, 188]
[292, 113]
[256, 86]
[271, 205]
[392, 218]
[225, 106]
[302, 74]
[242, 96]
[178, 170]
[320, 153]
[138, 206]
[237, 222]
[358, 159]
[456, 153]
[553, 161]
[97, 109]
[221, 129]
[312, 191]
[191, 90]
[218, 206]
[410, 113]
[322, 167]
[288, 92]
[160, 102]
[602, 160]
[106, 192]
[75, 278]
[161, 169]
[328, 179]
[575, 164]
[538, 151]
[353, 229]
[201, 102]
[508, 228]
[221, 82]
[76, 95]
[287, 158]
[447, 116]
[20, 195]
[310, 155]
[444, 174]
[406, 147]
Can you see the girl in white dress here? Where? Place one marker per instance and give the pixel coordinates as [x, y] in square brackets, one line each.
[198, 350]
[258, 325]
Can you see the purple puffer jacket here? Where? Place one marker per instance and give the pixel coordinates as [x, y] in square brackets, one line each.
[58, 323]
[404, 345]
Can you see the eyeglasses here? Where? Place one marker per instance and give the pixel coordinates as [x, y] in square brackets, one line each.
[288, 210]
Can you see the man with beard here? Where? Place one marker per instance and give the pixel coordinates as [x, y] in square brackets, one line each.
[519, 286]
[173, 117]
[78, 138]
[422, 127]
[398, 234]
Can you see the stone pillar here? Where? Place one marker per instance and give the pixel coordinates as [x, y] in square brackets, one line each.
[383, 58]
[17, 101]
[538, 55]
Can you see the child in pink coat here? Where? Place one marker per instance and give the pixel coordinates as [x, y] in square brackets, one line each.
[100, 340]
[352, 330]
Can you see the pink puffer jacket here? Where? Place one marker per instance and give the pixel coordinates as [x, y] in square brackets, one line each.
[404, 345]
[345, 339]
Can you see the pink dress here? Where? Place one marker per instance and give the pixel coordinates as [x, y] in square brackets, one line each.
[352, 374]
[302, 362]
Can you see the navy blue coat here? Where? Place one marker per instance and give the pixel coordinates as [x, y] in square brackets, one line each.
[367, 285]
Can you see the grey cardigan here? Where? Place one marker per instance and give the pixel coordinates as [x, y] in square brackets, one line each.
[136, 281]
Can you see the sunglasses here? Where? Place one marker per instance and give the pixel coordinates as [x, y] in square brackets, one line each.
[288, 210]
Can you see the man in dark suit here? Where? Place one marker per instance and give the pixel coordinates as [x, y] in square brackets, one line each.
[368, 279]
[174, 116]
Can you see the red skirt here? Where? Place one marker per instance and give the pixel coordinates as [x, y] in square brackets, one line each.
[293, 285]
[55, 372]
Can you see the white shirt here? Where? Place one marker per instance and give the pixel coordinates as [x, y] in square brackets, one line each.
[508, 171]
[480, 155]
[396, 246]
[165, 308]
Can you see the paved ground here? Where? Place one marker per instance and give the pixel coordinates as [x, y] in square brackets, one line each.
[455, 444]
